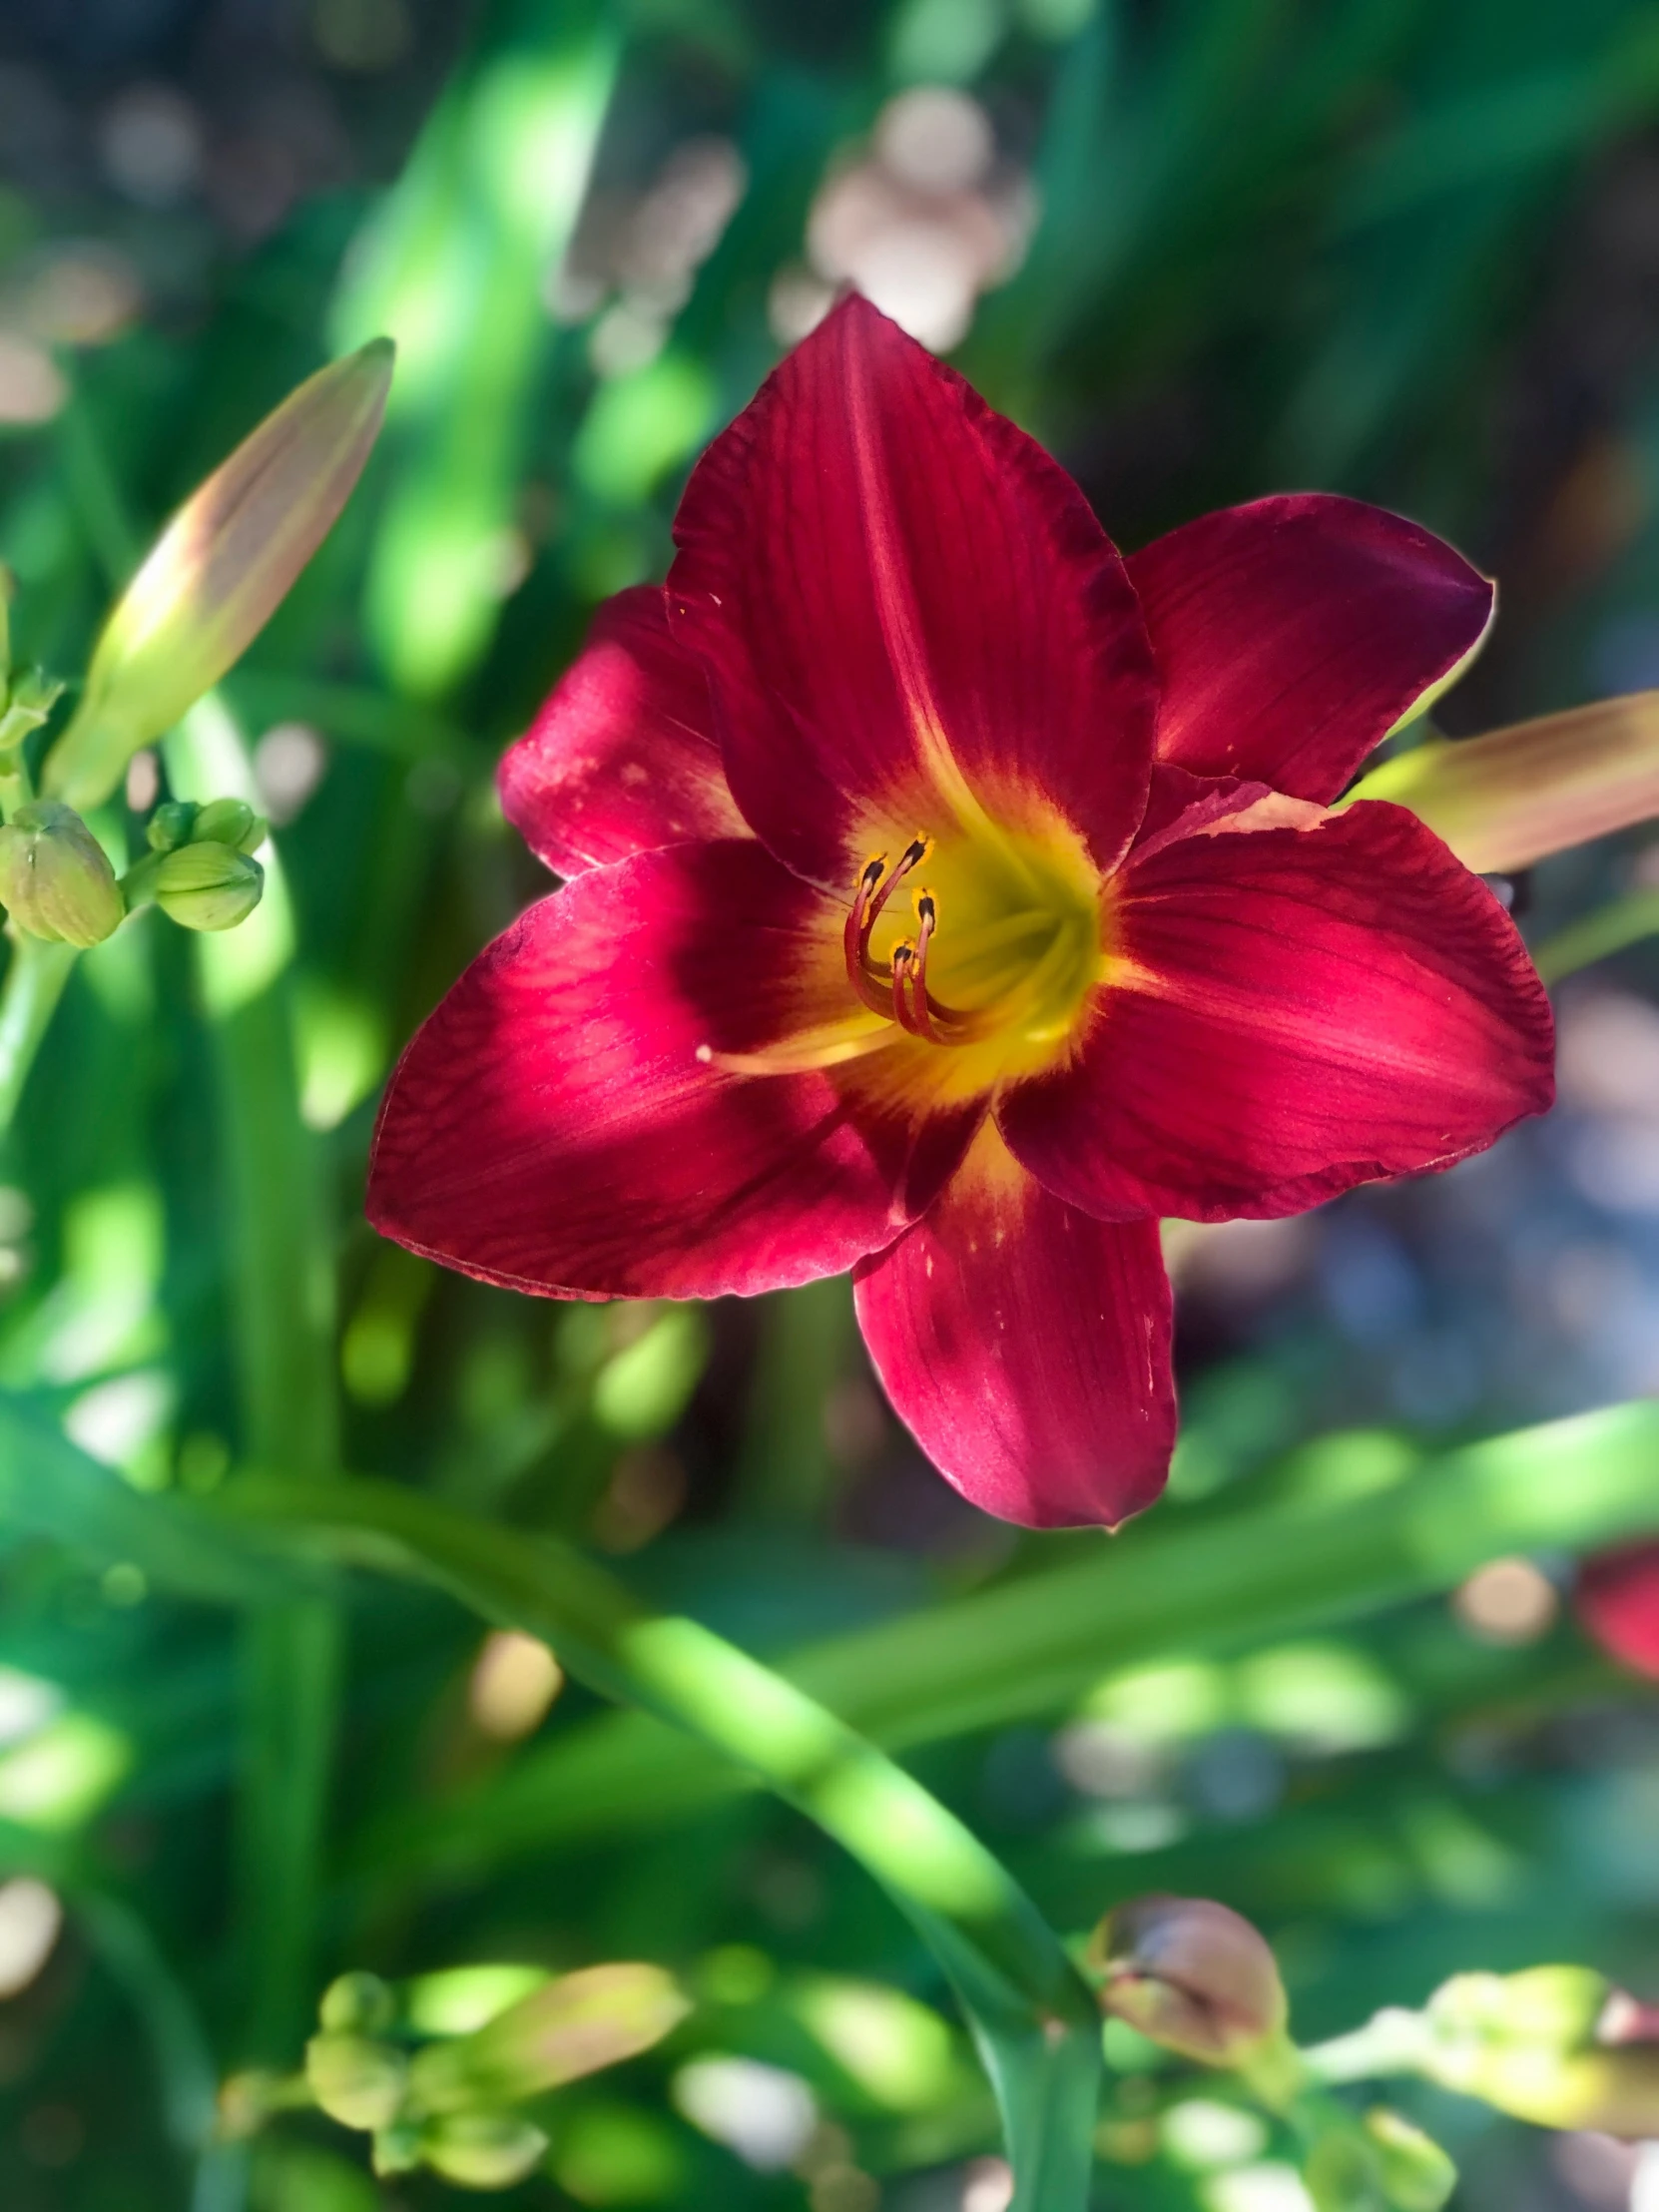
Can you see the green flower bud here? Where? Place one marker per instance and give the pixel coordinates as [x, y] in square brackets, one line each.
[207, 886]
[1190, 1975]
[358, 2005]
[482, 2150]
[220, 570]
[356, 2081]
[566, 2028]
[397, 2149]
[1557, 2045]
[228, 822]
[1417, 2175]
[171, 825]
[55, 878]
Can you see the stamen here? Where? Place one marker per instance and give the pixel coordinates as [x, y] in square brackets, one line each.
[855, 936]
[904, 1008]
[928, 919]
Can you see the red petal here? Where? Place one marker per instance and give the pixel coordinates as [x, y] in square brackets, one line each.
[879, 571]
[553, 1128]
[1618, 1602]
[623, 758]
[1027, 1348]
[1291, 635]
[1297, 1011]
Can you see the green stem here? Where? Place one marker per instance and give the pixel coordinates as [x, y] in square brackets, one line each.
[1031, 2014]
[279, 1250]
[35, 980]
[1625, 921]
[1392, 2041]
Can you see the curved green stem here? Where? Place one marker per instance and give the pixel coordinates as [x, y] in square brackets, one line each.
[1031, 2016]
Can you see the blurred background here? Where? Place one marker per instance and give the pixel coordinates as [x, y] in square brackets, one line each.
[1204, 248]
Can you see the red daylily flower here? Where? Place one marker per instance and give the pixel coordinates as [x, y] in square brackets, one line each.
[1617, 1600]
[949, 898]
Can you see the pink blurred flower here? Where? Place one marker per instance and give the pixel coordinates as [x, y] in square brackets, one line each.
[1618, 1602]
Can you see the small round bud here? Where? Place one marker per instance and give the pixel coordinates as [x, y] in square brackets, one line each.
[207, 886]
[1190, 1975]
[171, 825]
[228, 822]
[358, 2005]
[355, 2080]
[482, 2150]
[55, 878]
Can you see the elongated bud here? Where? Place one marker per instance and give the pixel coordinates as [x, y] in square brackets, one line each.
[1557, 2045]
[207, 886]
[1190, 1975]
[355, 2080]
[56, 880]
[358, 2005]
[220, 570]
[567, 2028]
[1507, 798]
[482, 2150]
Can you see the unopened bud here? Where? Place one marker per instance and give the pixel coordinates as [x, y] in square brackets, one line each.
[358, 2005]
[1417, 2174]
[171, 825]
[566, 2028]
[228, 822]
[55, 878]
[1190, 1975]
[1557, 2045]
[221, 569]
[482, 2150]
[207, 886]
[355, 2080]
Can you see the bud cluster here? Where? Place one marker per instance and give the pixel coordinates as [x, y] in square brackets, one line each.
[199, 870]
[456, 2104]
[1560, 2046]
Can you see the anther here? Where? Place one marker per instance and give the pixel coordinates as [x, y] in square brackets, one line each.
[927, 918]
[904, 1008]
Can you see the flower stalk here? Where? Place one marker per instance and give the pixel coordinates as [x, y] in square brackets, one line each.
[1032, 2015]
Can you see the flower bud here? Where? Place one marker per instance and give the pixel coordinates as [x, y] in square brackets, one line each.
[358, 2005]
[228, 822]
[55, 878]
[1417, 2175]
[568, 2027]
[207, 886]
[171, 825]
[482, 2150]
[1190, 1975]
[1558, 2046]
[356, 2081]
[221, 569]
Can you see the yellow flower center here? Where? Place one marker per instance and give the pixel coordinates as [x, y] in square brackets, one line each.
[983, 940]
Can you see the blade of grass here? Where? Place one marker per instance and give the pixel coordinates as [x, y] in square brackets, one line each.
[1321, 1552]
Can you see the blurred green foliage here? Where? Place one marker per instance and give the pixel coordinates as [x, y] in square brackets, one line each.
[1404, 250]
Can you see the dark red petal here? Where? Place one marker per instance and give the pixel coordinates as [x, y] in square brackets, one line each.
[1293, 633]
[1292, 1011]
[1027, 1348]
[553, 1127]
[876, 567]
[1618, 1602]
[623, 758]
